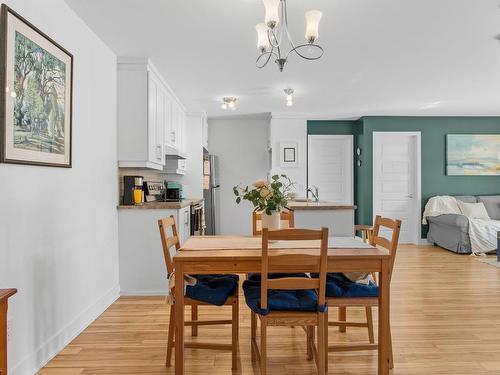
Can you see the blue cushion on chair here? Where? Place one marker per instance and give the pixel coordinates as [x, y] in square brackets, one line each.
[213, 289]
[338, 285]
[279, 300]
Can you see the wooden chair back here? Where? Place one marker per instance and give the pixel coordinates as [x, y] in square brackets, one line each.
[169, 241]
[293, 283]
[392, 245]
[287, 219]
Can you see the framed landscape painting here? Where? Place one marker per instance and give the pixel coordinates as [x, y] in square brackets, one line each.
[36, 102]
[473, 154]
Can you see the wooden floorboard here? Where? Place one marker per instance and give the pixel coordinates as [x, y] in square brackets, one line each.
[445, 320]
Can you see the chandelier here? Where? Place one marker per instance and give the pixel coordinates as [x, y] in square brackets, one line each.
[273, 36]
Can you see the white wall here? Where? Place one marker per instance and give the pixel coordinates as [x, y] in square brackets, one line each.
[242, 149]
[290, 129]
[58, 227]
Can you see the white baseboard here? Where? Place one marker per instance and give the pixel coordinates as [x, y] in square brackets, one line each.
[32, 363]
[424, 241]
[141, 293]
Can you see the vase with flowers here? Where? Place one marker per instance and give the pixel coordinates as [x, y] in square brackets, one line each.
[267, 197]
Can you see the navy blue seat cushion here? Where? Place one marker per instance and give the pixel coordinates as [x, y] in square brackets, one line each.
[213, 289]
[338, 285]
[279, 300]
[257, 276]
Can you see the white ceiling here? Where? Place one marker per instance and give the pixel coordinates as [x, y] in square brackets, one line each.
[382, 57]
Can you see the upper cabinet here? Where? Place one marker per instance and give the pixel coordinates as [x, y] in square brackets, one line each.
[204, 127]
[151, 119]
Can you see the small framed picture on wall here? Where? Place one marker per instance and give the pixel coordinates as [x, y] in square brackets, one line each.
[289, 155]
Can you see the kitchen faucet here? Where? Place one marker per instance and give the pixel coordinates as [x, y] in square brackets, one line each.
[315, 192]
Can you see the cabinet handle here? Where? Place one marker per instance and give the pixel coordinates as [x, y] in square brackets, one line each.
[186, 218]
[172, 136]
[159, 152]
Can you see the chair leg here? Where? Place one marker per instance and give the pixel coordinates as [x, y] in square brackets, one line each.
[263, 346]
[342, 318]
[326, 341]
[170, 339]
[310, 342]
[369, 321]
[194, 316]
[235, 334]
[391, 354]
[321, 343]
[253, 333]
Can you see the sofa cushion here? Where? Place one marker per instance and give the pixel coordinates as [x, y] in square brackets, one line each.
[474, 210]
[492, 204]
[466, 198]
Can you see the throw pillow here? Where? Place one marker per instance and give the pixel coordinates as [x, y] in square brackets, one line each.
[473, 210]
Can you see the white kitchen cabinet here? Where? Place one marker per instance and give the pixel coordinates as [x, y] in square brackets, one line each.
[205, 132]
[140, 115]
[151, 119]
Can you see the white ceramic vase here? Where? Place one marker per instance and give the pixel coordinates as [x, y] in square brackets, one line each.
[271, 222]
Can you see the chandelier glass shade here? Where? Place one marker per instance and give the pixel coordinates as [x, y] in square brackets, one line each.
[275, 42]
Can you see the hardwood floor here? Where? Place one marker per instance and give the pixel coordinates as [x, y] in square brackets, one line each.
[445, 320]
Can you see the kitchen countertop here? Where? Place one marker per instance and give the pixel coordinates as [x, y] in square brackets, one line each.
[162, 205]
[298, 205]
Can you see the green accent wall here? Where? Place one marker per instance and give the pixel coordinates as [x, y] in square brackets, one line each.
[433, 137]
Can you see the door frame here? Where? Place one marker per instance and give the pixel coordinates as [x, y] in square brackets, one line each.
[418, 177]
[350, 137]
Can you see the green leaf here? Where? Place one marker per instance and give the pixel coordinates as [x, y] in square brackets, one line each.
[238, 200]
[276, 177]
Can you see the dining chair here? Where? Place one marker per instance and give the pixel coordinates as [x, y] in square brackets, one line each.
[218, 290]
[342, 292]
[287, 220]
[291, 300]
[366, 232]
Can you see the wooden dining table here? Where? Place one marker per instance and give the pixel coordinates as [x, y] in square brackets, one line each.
[240, 254]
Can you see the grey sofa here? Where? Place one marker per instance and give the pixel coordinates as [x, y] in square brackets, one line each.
[452, 231]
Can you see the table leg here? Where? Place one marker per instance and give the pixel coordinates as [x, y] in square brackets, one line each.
[179, 319]
[384, 319]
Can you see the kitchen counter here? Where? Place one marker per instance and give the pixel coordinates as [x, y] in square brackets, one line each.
[338, 218]
[162, 205]
[299, 205]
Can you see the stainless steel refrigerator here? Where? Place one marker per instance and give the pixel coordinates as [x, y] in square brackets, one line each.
[210, 186]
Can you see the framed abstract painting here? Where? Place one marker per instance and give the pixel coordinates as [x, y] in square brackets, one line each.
[473, 154]
[36, 102]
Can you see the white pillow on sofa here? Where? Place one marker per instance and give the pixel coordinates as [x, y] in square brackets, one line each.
[473, 210]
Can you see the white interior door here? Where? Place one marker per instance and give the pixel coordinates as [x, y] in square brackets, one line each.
[396, 180]
[329, 165]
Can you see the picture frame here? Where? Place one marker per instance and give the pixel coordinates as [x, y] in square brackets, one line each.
[288, 154]
[36, 101]
[473, 154]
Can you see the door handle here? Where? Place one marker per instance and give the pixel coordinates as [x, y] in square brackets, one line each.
[409, 196]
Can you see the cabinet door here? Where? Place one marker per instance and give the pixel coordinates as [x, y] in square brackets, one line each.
[168, 120]
[155, 131]
[175, 124]
[184, 224]
[160, 122]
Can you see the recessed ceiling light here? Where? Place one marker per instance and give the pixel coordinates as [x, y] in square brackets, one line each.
[289, 96]
[229, 102]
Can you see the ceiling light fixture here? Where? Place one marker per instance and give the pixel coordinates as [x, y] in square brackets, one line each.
[289, 97]
[272, 33]
[229, 102]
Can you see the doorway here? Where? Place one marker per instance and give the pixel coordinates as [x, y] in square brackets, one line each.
[330, 167]
[397, 181]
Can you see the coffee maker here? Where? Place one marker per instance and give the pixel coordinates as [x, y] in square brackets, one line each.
[131, 183]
